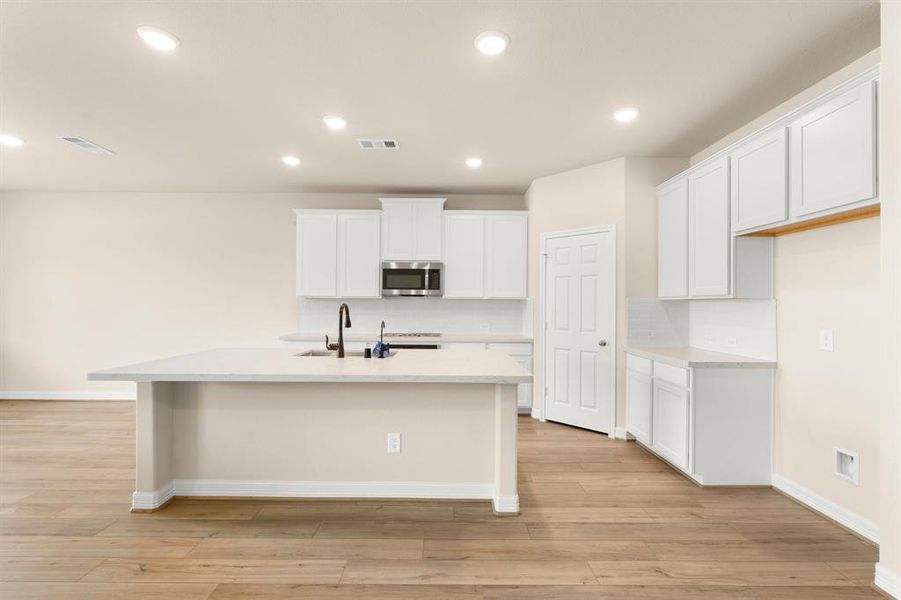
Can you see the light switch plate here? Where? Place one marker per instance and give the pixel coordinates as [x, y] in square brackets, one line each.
[393, 443]
[827, 340]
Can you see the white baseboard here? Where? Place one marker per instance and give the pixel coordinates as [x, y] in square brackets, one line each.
[851, 520]
[150, 500]
[888, 580]
[506, 504]
[524, 410]
[320, 489]
[622, 434]
[68, 395]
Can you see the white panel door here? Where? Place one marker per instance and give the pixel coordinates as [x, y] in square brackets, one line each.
[639, 397]
[317, 254]
[833, 153]
[760, 181]
[464, 255]
[398, 223]
[580, 305]
[672, 240]
[506, 255]
[359, 267]
[428, 229]
[671, 413]
[709, 230]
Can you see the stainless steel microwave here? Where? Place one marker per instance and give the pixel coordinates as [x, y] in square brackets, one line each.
[412, 278]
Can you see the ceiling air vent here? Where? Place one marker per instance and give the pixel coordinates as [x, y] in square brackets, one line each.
[377, 144]
[86, 145]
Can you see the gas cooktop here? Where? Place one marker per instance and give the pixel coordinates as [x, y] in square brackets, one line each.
[412, 335]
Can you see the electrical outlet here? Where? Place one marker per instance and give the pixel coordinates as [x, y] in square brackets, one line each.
[393, 443]
[484, 326]
[731, 341]
[708, 339]
[827, 340]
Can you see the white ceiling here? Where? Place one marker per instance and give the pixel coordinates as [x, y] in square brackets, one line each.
[251, 81]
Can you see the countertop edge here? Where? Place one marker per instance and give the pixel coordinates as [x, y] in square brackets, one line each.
[748, 363]
[449, 338]
[189, 378]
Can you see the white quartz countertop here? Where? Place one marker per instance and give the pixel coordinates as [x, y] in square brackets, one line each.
[351, 336]
[283, 365]
[686, 356]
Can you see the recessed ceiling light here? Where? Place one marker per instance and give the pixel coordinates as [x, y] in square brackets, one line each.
[290, 160]
[492, 42]
[334, 122]
[10, 141]
[473, 162]
[158, 39]
[626, 115]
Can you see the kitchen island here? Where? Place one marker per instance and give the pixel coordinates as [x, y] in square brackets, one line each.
[276, 422]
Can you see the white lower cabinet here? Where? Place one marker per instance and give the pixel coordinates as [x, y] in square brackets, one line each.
[639, 395]
[712, 423]
[521, 352]
[671, 412]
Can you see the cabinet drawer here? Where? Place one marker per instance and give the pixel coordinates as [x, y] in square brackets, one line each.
[639, 364]
[675, 375]
[512, 349]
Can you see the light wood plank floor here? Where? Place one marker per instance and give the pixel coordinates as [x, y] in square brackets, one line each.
[600, 519]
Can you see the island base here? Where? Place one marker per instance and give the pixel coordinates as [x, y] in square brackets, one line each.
[325, 440]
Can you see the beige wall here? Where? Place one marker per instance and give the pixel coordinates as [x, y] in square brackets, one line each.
[890, 311]
[825, 279]
[95, 280]
[615, 192]
[863, 63]
[829, 279]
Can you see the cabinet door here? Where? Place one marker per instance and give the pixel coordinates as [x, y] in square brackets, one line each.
[670, 422]
[506, 241]
[317, 255]
[398, 224]
[672, 240]
[428, 230]
[709, 232]
[760, 181]
[359, 267]
[524, 390]
[464, 256]
[833, 153]
[638, 406]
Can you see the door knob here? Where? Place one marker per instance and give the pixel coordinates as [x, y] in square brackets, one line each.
[602, 343]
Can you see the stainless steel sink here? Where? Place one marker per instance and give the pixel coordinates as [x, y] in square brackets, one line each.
[330, 354]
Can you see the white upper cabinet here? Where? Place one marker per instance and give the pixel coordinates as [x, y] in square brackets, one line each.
[709, 235]
[359, 267]
[338, 253]
[760, 181]
[506, 242]
[672, 239]
[317, 254]
[412, 228]
[485, 254]
[464, 255]
[833, 153]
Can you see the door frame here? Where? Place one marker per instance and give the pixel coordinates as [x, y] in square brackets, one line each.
[540, 388]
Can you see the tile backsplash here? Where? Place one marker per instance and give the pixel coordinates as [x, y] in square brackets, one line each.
[746, 327]
[418, 314]
[657, 323]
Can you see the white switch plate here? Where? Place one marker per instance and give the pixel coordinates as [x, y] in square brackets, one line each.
[827, 340]
[393, 443]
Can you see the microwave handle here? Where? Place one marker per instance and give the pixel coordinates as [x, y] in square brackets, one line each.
[427, 271]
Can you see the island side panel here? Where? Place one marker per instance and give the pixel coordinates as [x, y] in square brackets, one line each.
[329, 439]
[153, 447]
[506, 496]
